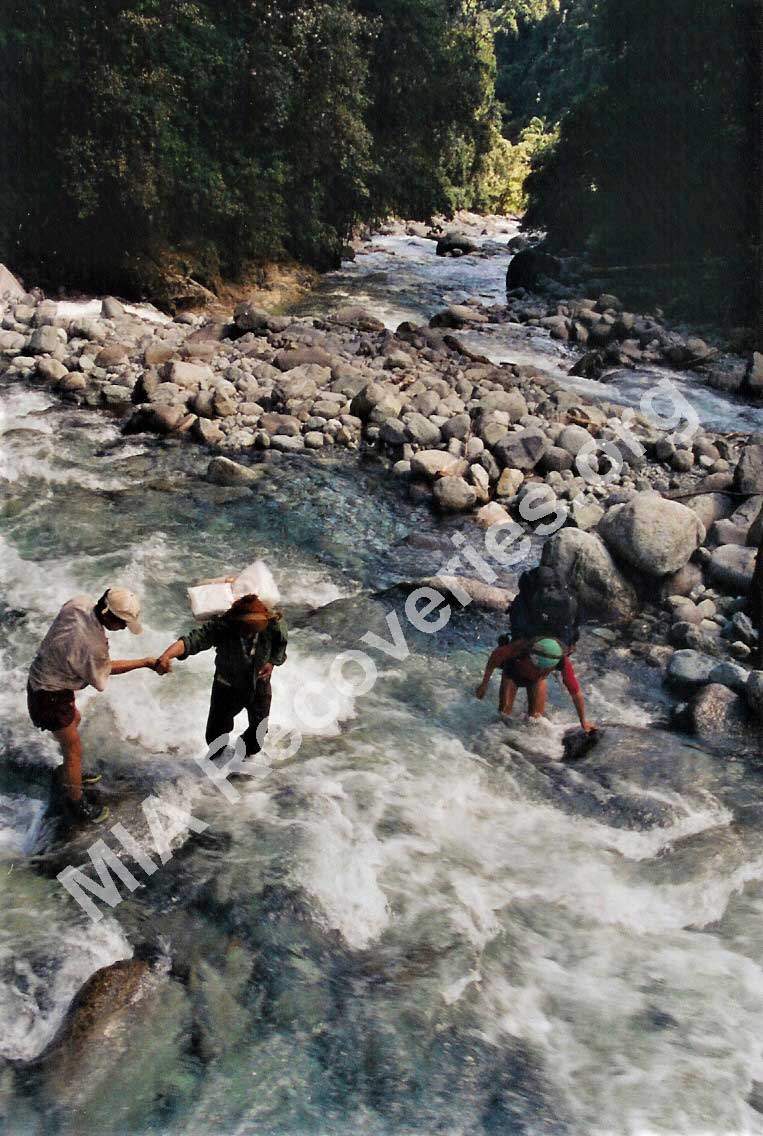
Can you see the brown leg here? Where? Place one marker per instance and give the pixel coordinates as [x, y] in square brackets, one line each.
[536, 698]
[507, 695]
[71, 747]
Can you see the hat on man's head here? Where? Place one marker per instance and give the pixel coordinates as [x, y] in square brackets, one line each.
[125, 605]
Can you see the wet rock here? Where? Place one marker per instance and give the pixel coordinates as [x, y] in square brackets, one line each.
[522, 449]
[492, 514]
[155, 418]
[484, 596]
[223, 471]
[453, 241]
[454, 494]
[748, 477]
[719, 718]
[731, 567]
[352, 315]
[457, 316]
[651, 534]
[287, 444]
[688, 670]
[583, 561]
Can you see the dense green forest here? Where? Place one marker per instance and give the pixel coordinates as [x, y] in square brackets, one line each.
[212, 135]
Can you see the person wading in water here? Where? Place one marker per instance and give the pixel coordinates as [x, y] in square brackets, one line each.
[528, 663]
[250, 641]
[75, 654]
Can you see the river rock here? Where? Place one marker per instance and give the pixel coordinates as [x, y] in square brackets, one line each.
[355, 316]
[509, 482]
[753, 378]
[223, 471]
[10, 288]
[421, 431]
[573, 439]
[511, 402]
[755, 532]
[112, 309]
[287, 444]
[652, 534]
[731, 675]
[719, 718]
[189, 376]
[491, 514]
[208, 432]
[682, 582]
[753, 692]
[376, 397]
[47, 340]
[731, 567]
[527, 269]
[688, 670]
[522, 449]
[155, 418]
[748, 476]
[292, 357]
[583, 561]
[51, 370]
[12, 341]
[457, 316]
[710, 507]
[285, 425]
[393, 432]
[302, 382]
[247, 317]
[454, 494]
[458, 427]
[453, 241]
[433, 463]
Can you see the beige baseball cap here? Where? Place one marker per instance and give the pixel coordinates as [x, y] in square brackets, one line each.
[125, 605]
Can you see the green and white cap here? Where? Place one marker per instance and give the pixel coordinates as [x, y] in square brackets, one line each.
[547, 654]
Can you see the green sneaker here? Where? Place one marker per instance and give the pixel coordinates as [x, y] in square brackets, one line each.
[91, 778]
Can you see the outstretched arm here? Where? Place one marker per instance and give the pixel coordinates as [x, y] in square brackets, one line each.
[498, 657]
[124, 666]
[579, 703]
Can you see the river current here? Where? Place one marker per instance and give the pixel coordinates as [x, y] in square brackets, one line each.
[419, 923]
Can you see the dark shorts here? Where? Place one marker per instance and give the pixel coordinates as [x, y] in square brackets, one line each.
[510, 672]
[51, 709]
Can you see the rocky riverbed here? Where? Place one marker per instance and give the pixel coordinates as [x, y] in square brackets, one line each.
[653, 519]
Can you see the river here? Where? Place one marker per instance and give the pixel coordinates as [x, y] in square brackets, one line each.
[421, 922]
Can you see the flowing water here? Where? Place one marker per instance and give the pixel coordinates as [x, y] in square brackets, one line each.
[421, 922]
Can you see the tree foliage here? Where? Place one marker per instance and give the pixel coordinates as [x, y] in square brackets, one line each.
[658, 163]
[227, 131]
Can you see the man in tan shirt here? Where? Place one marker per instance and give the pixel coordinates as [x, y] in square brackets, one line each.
[75, 654]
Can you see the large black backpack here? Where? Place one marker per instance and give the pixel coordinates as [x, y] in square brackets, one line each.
[544, 607]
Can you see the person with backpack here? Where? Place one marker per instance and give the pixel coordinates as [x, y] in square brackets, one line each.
[250, 639]
[528, 663]
[544, 606]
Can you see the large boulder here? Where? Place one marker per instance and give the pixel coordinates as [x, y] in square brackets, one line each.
[457, 316]
[421, 431]
[452, 241]
[719, 718]
[527, 269]
[753, 379]
[521, 449]
[653, 535]
[583, 561]
[355, 316]
[223, 471]
[302, 382]
[189, 376]
[10, 288]
[754, 694]
[710, 507]
[292, 357]
[156, 418]
[47, 340]
[748, 477]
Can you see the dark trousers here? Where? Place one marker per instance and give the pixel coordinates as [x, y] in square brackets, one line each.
[228, 701]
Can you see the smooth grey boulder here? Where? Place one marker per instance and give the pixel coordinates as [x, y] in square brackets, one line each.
[431, 463]
[583, 561]
[511, 402]
[719, 718]
[573, 438]
[421, 430]
[376, 397]
[352, 315]
[710, 507]
[393, 432]
[111, 308]
[522, 449]
[652, 534]
[454, 494]
[190, 376]
[452, 241]
[731, 567]
[689, 670]
[156, 418]
[47, 340]
[731, 675]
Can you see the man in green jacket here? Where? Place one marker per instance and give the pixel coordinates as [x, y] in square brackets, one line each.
[250, 640]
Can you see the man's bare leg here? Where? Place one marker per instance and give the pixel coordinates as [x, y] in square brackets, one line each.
[71, 747]
[536, 698]
[507, 695]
